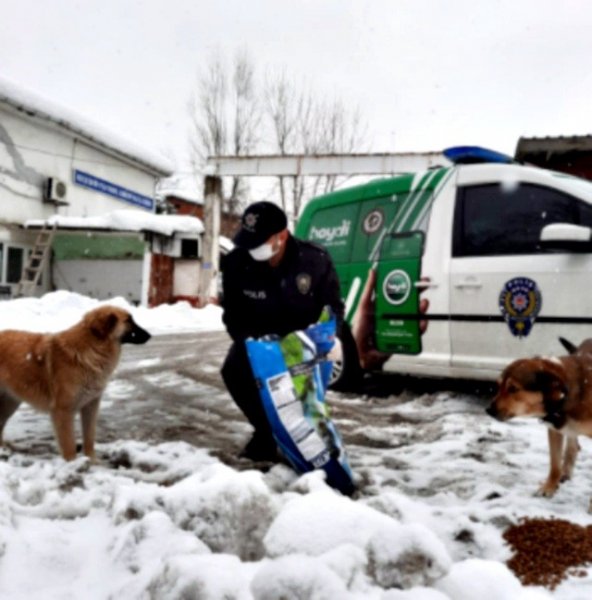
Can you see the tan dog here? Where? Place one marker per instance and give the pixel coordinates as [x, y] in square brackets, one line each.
[557, 390]
[66, 372]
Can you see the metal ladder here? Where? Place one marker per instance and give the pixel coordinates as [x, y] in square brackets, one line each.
[33, 267]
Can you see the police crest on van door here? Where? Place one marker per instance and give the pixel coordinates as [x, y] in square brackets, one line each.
[303, 283]
[520, 303]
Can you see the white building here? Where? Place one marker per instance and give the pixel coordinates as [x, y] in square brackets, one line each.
[56, 165]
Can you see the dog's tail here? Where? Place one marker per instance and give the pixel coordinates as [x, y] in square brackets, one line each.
[571, 348]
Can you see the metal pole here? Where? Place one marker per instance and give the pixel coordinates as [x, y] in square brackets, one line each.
[210, 263]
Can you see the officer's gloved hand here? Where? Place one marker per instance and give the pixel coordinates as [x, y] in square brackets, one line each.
[269, 337]
[322, 333]
[336, 352]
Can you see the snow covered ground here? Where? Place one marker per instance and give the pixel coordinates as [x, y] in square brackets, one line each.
[439, 482]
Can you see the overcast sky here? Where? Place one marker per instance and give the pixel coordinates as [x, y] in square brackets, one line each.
[426, 73]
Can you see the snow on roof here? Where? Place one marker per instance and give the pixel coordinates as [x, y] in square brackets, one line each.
[181, 185]
[36, 105]
[126, 220]
[187, 195]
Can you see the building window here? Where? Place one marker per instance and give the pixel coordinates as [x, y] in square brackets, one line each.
[14, 266]
[189, 249]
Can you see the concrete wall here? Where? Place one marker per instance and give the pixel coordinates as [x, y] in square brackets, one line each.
[186, 277]
[160, 288]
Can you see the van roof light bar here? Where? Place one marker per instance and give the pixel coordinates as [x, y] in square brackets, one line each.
[467, 155]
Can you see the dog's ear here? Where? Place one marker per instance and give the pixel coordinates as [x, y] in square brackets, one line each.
[103, 324]
[571, 348]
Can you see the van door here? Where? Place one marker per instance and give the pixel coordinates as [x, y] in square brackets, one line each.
[509, 296]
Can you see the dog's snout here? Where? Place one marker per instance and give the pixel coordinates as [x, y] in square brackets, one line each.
[136, 335]
[491, 410]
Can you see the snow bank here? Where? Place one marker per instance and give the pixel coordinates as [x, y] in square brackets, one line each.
[396, 555]
[59, 310]
[168, 520]
[476, 578]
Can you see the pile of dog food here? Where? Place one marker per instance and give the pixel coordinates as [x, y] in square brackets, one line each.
[546, 551]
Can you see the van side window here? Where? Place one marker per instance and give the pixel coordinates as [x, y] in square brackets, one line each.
[507, 218]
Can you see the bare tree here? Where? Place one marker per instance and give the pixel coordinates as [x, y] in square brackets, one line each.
[281, 106]
[225, 116]
[342, 132]
[207, 109]
[229, 111]
[304, 124]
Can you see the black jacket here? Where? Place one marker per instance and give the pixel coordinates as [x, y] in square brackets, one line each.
[259, 299]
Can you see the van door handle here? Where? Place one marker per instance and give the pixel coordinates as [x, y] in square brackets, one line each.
[472, 283]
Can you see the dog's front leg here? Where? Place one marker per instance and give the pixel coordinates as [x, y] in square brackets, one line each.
[63, 424]
[570, 455]
[88, 415]
[8, 406]
[555, 452]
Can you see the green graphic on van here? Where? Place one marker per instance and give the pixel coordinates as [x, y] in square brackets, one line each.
[396, 287]
[397, 298]
[379, 225]
[373, 221]
[327, 235]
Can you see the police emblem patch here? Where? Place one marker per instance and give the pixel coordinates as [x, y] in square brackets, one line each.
[303, 283]
[520, 303]
[250, 221]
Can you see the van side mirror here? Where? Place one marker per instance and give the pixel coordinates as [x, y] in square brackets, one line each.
[567, 237]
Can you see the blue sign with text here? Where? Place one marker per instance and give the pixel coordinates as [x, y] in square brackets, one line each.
[111, 189]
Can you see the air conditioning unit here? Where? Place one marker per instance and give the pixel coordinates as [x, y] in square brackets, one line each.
[56, 191]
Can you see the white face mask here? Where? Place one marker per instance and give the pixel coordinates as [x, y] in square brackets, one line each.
[261, 253]
[264, 252]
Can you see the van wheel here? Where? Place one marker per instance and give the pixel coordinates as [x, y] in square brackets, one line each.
[346, 375]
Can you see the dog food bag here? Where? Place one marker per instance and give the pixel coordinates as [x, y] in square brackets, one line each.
[292, 373]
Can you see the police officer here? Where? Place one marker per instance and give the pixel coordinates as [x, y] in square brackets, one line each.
[272, 283]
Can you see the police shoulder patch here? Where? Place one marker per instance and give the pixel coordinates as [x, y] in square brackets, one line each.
[303, 282]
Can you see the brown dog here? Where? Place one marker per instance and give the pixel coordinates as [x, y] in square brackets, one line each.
[66, 372]
[557, 390]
